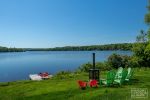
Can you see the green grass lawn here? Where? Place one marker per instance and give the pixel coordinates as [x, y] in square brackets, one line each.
[67, 89]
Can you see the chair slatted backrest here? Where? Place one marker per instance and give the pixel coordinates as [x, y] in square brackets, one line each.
[111, 76]
[130, 73]
[124, 75]
[119, 73]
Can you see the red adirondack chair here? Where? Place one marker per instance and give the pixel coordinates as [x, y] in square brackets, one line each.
[93, 83]
[82, 84]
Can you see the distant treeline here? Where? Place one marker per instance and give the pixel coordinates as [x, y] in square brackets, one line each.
[121, 46]
[5, 49]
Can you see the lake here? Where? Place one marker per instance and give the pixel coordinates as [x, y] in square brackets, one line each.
[18, 65]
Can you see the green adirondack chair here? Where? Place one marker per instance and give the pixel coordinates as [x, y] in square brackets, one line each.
[129, 74]
[119, 73]
[121, 78]
[110, 78]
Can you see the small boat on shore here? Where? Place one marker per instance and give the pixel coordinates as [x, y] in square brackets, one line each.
[40, 76]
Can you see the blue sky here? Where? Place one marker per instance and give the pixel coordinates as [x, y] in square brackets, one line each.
[56, 23]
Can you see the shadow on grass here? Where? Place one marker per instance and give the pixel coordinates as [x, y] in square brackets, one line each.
[135, 80]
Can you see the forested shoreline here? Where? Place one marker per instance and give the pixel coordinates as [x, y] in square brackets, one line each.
[5, 49]
[119, 46]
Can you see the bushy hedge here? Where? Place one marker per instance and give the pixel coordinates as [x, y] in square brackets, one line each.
[99, 65]
[116, 60]
[113, 62]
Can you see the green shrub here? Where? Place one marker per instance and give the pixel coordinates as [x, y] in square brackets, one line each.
[147, 51]
[99, 65]
[134, 61]
[116, 60]
[141, 54]
[103, 66]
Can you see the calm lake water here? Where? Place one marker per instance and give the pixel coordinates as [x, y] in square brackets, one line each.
[17, 66]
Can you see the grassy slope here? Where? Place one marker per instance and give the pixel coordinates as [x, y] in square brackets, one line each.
[68, 89]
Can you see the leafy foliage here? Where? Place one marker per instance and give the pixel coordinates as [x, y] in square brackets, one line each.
[147, 53]
[99, 65]
[147, 18]
[141, 52]
[148, 35]
[141, 37]
[116, 60]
